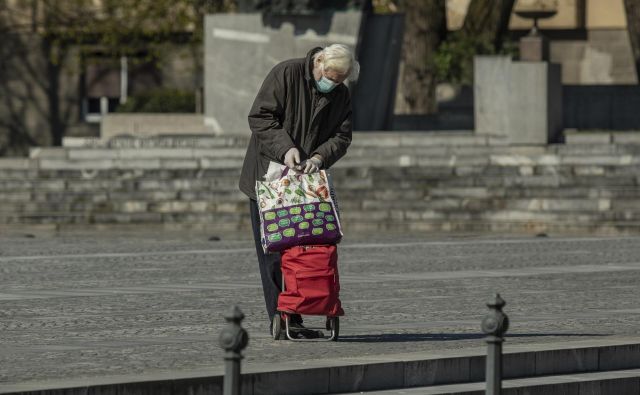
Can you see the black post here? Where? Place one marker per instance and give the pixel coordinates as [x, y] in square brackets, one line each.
[233, 339]
[494, 325]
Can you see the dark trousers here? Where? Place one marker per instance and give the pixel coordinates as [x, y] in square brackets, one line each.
[269, 267]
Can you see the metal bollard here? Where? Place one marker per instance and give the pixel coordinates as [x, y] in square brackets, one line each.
[494, 325]
[233, 339]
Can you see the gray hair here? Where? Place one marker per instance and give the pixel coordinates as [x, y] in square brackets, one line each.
[339, 57]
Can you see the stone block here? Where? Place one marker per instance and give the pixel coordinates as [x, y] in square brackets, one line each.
[443, 139]
[511, 160]
[599, 181]
[436, 371]
[133, 207]
[235, 207]
[49, 153]
[532, 181]
[519, 101]
[629, 385]
[154, 153]
[61, 164]
[374, 376]
[570, 204]
[152, 184]
[588, 138]
[566, 361]
[548, 160]
[626, 137]
[16, 185]
[619, 357]
[517, 365]
[169, 207]
[303, 381]
[467, 170]
[137, 164]
[79, 185]
[17, 164]
[431, 215]
[179, 164]
[200, 207]
[90, 153]
[144, 125]
[49, 185]
[226, 163]
[617, 160]
[625, 204]
[81, 142]
[237, 153]
[7, 196]
[477, 192]
[375, 140]
[589, 170]
[518, 216]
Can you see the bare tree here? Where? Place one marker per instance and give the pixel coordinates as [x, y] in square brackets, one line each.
[488, 18]
[425, 28]
[40, 53]
[632, 9]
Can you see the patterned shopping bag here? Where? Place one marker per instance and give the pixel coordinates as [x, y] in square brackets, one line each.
[297, 209]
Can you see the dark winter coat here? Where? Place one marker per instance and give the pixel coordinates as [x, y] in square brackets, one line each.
[289, 112]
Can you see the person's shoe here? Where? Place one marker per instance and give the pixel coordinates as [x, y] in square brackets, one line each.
[298, 330]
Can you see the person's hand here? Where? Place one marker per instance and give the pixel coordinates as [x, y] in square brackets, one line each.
[292, 159]
[311, 165]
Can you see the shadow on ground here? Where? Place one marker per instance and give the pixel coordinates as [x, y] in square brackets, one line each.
[417, 337]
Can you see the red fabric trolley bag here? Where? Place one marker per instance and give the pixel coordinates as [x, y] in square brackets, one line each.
[311, 284]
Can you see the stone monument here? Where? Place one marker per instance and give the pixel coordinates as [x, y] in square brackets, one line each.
[520, 101]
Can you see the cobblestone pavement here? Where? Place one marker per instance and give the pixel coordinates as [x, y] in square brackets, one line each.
[108, 303]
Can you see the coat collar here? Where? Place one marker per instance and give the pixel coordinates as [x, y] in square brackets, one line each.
[309, 63]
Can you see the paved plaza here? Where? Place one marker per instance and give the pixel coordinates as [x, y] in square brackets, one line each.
[108, 303]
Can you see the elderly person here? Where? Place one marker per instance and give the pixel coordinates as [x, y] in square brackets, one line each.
[301, 117]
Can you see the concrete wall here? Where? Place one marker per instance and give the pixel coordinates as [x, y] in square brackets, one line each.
[603, 57]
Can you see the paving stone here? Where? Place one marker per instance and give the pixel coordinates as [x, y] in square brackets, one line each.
[95, 304]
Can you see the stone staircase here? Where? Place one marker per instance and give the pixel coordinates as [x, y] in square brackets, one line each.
[407, 182]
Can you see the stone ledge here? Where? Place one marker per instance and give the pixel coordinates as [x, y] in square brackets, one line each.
[575, 137]
[364, 373]
[621, 382]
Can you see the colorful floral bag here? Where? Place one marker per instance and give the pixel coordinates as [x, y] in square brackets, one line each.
[296, 209]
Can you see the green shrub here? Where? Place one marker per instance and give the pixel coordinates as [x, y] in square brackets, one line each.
[160, 100]
[454, 57]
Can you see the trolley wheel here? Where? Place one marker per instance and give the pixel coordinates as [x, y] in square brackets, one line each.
[334, 324]
[276, 327]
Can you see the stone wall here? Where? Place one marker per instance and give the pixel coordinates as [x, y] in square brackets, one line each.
[387, 182]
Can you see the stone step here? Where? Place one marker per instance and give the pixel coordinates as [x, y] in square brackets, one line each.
[183, 141]
[135, 153]
[601, 383]
[602, 358]
[500, 155]
[603, 137]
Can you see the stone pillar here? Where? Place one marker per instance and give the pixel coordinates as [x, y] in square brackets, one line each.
[518, 101]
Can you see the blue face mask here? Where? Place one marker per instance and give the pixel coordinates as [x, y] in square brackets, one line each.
[325, 85]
